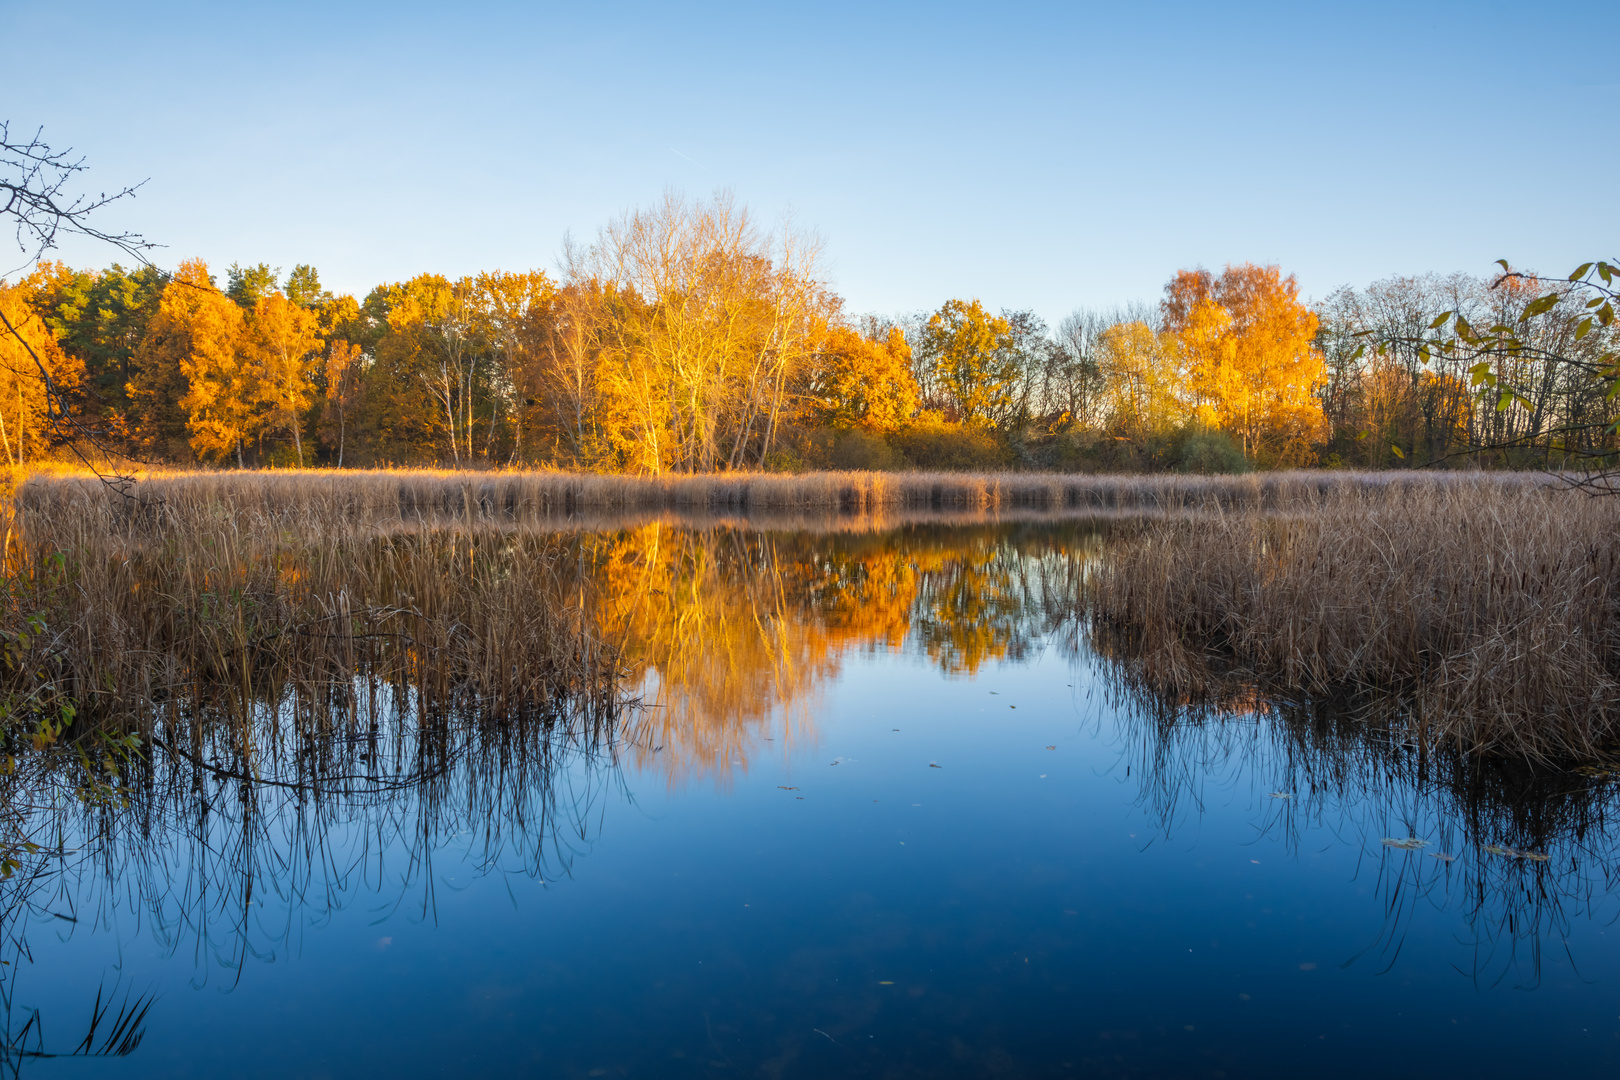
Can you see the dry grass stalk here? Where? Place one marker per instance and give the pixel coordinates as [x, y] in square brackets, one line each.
[1489, 607]
[382, 497]
[189, 606]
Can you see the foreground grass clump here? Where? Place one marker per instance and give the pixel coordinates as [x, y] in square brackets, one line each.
[174, 606]
[1486, 609]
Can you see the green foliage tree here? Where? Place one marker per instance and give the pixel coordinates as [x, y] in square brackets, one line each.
[100, 318]
[247, 285]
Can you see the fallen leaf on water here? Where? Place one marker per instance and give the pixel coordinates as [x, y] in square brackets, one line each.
[931, 765]
[1281, 795]
[1498, 849]
[1534, 856]
[1442, 856]
[1051, 748]
[1411, 843]
[787, 788]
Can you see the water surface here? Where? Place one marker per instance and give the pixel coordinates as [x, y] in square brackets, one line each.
[888, 807]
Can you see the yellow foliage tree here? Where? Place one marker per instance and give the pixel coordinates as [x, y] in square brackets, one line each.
[1142, 384]
[342, 391]
[706, 324]
[971, 368]
[281, 339]
[1247, 342]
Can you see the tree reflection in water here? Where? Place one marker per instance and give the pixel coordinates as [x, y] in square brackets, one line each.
[728, 633]
[239, 835]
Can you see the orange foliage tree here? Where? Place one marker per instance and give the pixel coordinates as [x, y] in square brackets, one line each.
[24, 401]
[1247, 345]
[855, 381]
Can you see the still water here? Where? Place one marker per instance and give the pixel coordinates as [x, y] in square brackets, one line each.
[887, 807]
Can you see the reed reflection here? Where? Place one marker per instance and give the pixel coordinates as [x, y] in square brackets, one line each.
[232, 861]
[1521, 853]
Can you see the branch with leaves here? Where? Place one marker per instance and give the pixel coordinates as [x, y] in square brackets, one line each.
[1485, 351]
[36, 201]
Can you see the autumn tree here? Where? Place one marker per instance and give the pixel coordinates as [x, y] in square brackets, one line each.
[968, 362]
[25, 402]
[1248, 347]
[710, 321]
[432, 338]
[341, 378]
[280, 342]
[202, 333]
[857, 381]
[1143, 387]
[516, 314]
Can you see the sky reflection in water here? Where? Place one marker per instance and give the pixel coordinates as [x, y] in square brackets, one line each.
[890, 810]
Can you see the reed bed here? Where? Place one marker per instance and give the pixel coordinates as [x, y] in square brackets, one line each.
[1485, 610]
[382, 497]
[170, 609]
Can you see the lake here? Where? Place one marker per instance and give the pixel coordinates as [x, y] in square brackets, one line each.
[885, 804]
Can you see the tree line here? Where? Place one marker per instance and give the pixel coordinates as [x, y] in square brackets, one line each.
[686, 338]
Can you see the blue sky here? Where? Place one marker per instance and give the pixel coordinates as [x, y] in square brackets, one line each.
[1033, 155]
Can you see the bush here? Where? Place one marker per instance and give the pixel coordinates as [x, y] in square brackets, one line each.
[936, 444]
[1210, 452]
[857, 449]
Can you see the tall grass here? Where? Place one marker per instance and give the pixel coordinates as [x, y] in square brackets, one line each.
[193, 603]
[1485, 609]
[1485, 603]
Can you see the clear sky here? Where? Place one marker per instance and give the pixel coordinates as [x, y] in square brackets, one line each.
[1033, 155]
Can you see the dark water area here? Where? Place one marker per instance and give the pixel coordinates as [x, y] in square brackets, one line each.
[888, 806]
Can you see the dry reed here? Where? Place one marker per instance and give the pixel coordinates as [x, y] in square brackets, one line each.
[382, 497]
[1485, 608]
[177, 607]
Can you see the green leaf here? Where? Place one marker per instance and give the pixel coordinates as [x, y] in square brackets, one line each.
[1357, 354]
[1396, 451]
[1606, 314]
[1504, 401]
[1584, 328]
[1503, 263]
[1580, 271]
[1440, 321]
[1540, 306]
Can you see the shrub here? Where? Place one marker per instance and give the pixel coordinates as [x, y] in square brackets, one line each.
[1209, 453]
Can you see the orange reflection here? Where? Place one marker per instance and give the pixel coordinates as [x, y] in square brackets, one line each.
[729, 634]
